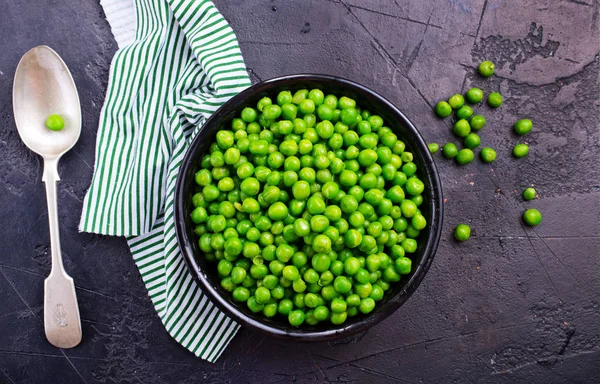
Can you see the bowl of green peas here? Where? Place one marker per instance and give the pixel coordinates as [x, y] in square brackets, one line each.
[308, 207]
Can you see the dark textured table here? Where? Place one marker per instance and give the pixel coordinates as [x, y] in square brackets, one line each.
[512, 305]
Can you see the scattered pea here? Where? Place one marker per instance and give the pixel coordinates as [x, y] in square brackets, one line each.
[462, 232]
[495, 100]
[487, 154]
[523, 126]
[464, 156]
[474, 95]
[450, 150]
[520, 150]
[532, 217]
[472, 141]
[486, 68]
[433, 147]
[443, 109]
[477, 122]
[529, 193]
[456, 101]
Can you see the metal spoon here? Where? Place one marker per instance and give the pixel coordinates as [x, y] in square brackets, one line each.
[43, 86]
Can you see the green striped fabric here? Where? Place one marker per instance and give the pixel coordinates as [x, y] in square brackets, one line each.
[183, 64]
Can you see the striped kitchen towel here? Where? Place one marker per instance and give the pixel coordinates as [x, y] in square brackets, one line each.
[178, 61]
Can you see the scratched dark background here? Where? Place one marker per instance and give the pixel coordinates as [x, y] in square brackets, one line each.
[512, 305]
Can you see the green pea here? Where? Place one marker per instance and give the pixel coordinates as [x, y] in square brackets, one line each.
[487, 155]
[477, 122]
[486, 68]
[249, 114]
[520, 150]
[443, 109]
[495, 100]
[529, 194]
[321, 262]
[462, 128]
[55, 122]
[325, 112]
[464, 112]
[296, 318]
[449, 150]
[465, 156]
[456, 101]
[433, 147]
[366, 305]
[523, 126]
[462, 232]
[472, 141]
[532, 217]
[474, 95]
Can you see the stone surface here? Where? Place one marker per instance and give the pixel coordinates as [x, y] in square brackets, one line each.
[512, 305]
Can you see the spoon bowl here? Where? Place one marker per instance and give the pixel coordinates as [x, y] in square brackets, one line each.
[43, 86]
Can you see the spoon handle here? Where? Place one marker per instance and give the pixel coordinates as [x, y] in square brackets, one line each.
[61, 312]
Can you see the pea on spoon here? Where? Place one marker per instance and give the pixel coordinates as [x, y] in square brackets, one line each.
[43, 86]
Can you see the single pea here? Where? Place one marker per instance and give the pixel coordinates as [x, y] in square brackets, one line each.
[464, 156]
[278, 211]
[486, 68]
[472, 140]
[433, 147]
[477, 122]
[284, 97]
[409, 169]
[532, 217]
[320, 262]
[301, 190]
[338, 318]
[487, 155]
[249, 114]
[462, 232]
[315, 205]
[366, 305]
[291, 273]
[338, 305]
[529, 194]
[462, 128]
[325, 112]
[464, 112]
[456, 101]
[403, 265]
[495, 100]
[414, 186]
[325, 129]
[520, 150]
[367, 157]
[296, 318]
[443, 109]
[474, 95]
[241, 294]
[55, 122]
[409, 208]
[285, 307]
[346, 102]
[342, 284]
[523, 126]
[449, 150]
[418, 222]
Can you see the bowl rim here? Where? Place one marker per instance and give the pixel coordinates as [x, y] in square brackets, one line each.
[375, 317]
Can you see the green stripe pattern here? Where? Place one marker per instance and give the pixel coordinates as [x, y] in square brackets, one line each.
[184, 63]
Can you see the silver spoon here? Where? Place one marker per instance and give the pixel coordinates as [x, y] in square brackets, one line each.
[43, 86]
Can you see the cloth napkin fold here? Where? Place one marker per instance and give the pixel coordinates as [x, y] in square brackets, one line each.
[178, 62]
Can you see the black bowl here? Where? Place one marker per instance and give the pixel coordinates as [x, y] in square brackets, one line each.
[206, 273]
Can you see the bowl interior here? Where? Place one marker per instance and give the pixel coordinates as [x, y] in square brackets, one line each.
[431, 208]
